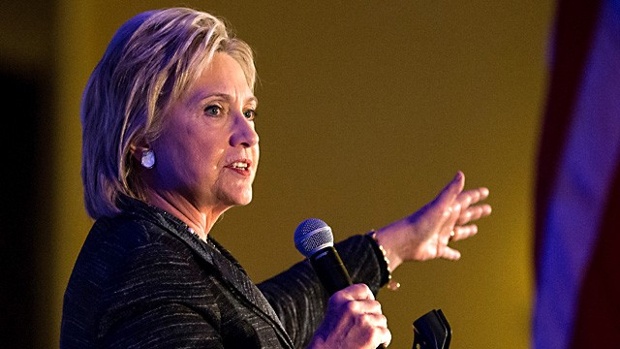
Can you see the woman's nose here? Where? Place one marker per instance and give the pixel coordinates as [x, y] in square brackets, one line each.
[244, 132]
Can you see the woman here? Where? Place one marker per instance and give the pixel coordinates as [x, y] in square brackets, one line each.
[169, 145]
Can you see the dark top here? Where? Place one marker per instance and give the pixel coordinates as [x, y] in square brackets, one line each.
[143, 280]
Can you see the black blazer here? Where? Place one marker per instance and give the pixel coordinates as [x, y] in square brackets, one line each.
[142, 280]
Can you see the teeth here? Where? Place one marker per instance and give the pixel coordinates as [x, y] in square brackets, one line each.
[240, 165]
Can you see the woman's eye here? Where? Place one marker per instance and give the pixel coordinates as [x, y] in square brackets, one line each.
[213, 110]
[250, 114]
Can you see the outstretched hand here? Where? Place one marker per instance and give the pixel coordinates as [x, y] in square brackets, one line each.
[426, 233]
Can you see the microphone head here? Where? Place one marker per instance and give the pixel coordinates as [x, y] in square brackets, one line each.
[312, 235]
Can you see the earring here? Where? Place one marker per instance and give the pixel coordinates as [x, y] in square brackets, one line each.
[148, 159]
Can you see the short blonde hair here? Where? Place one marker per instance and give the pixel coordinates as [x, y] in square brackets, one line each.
[148, 64]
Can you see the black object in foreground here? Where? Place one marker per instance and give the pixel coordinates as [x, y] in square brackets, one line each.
[432, 331]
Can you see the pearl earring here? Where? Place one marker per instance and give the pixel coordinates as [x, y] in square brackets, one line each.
[148, 159]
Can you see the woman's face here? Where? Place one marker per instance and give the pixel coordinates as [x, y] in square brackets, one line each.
[208, 152]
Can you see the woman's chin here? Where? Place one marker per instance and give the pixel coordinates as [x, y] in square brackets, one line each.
[241, 198]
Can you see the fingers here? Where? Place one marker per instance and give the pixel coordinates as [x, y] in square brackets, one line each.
[472, 197]
[463, 232]
[474, 213]
[355, 299]
[447, 232]
[425, 234]
[447, 203]
[355, 292]
[440, 210]
[354, 319]
[464, 208]
[451, 254]
[448, 227]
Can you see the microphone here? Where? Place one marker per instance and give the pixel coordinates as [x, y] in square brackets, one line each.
[314, 239]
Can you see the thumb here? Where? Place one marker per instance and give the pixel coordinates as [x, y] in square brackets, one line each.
[449, 193]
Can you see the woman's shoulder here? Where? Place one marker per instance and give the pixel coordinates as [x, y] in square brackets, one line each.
[124, 232]
[122, 251]
[125, 244]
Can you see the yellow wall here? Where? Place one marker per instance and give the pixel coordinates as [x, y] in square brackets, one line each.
[366, 110]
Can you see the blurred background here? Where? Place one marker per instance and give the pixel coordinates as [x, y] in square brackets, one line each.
[367, 109]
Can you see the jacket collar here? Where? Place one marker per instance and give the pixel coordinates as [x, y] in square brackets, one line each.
[219, 258]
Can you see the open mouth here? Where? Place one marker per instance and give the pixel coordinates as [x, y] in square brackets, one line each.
[239, 165]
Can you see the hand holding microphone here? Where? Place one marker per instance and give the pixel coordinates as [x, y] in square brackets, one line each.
[353, 318]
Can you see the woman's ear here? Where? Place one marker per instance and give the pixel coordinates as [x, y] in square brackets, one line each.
[142, 153]
[137, 149]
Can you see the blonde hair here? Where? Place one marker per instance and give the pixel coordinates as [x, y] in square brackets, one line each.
[148, 64]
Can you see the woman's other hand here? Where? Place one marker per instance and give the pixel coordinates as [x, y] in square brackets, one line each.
[426, 233]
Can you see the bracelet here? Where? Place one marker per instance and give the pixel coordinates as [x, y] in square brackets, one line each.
[391, 284]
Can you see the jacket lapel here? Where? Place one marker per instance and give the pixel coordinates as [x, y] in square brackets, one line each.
[235, 277]
[230, 271]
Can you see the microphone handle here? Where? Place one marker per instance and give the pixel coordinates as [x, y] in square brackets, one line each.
[332, 273]
[330, 270]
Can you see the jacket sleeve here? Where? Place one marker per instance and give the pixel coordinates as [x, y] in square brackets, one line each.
[298, 297]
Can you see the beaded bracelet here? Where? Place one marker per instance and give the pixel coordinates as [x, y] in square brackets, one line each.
[391, 284]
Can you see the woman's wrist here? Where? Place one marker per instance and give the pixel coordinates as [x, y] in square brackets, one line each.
[386, 264]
